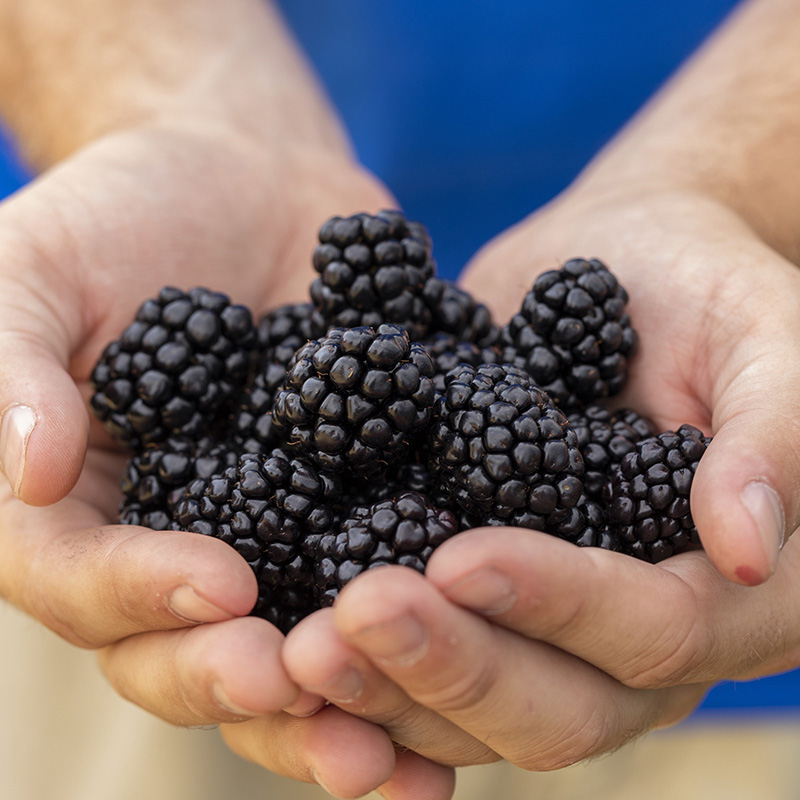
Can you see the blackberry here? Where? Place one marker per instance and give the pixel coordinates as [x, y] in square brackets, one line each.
[647, 495]
[502, 450]
[577, 316]
[175, 368]
[604, 438]
[455, 311]
[357, 399]
[404, 530]
[154, 478]
[273, 509]
[373, 270]
[281, 332]
[447, 352]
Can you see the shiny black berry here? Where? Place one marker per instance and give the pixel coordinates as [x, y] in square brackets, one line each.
[372, 270]
[647, 495]
[356, 400]
[175, 370]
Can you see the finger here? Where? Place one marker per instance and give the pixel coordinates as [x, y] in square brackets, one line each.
[43, 419]
[347, 756]
[533, 704]
[649, 626]
[95, 584]
[744, 498]
[418, 778]
[218, 672]
[317, 659]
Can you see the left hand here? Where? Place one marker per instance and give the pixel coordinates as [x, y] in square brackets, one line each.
[521, 646]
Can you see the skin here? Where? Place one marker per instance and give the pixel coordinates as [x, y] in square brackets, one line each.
[691, 207]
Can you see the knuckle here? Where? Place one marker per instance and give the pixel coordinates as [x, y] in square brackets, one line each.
[467, 690]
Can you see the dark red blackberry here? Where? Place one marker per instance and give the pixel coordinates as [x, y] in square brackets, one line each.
[373, 271]
[455, 311]
[154, 479]
[604, 438]
[272, 509]
[578, 316]
[357, 399]
[500, 448]
[647, 496]
[403, 530]
[175, 369]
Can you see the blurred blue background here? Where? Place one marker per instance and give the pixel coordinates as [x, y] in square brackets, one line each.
[475, 114]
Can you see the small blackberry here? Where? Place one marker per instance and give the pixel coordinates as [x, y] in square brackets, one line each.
[372, 271]
[501, 449]
[283, 331]
[154, 478]
[357, 399]
[272, 509]
[604, 438]
[175, 368]
[577, 313]
[647, 495]
[447, 352]
[403, 530]
[455, 311]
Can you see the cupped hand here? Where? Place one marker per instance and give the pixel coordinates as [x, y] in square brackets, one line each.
[80, 248]
[521, 646]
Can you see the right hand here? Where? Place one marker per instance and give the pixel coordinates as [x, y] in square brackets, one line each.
[80, 249]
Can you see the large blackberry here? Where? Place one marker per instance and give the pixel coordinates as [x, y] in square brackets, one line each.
[403, 530]
[647, 495]
[357, 399]
[175, 368]
[501, 449]
[154, 478]
[604, 438]
[455, 311]
[272, 509]
[372, 270]
[578, 316]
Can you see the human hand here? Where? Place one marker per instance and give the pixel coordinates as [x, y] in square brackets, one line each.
[600, 646]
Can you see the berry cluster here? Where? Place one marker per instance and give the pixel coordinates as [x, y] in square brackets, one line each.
[387, 414]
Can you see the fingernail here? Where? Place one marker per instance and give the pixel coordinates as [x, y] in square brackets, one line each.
[344, 687]
[226, 704]
[485, 591]
[765, 509]
[16, 426]
[187, 605]
[306, 705]
[401, 642]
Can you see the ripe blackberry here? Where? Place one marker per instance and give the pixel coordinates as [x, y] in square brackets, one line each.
[283, 331]
[455, 311]
[175, 368]
[647, 496]
[604, 438]
[447, 352]
[357, 399]
[272, 509]
[372, 270]
[578, 313]
[500, 448]
[154, 478]
[403, 530]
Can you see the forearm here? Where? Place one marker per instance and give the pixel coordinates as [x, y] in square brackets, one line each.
[728, 124]
[72, 70]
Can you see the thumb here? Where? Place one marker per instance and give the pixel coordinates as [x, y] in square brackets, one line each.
[43, 419]
[745, 493]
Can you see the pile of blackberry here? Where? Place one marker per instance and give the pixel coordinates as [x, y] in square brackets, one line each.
[388, 413]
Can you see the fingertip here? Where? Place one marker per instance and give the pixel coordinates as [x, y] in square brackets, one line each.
[43, 440]
[418, 777]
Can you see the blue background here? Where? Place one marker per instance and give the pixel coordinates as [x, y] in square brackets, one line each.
[476, 113]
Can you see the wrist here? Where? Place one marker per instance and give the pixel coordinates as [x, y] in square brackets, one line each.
[69, 76]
